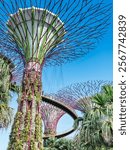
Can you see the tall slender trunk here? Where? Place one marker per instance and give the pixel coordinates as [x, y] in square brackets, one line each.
[27, 128]
[50, 123]
[50, 130]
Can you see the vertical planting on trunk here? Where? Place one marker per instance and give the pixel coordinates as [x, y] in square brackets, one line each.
[27, 128]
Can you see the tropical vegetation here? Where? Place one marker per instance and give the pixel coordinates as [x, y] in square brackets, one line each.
[95, 131]
[5, 110]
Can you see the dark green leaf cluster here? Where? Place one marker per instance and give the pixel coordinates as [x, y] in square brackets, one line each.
[59, 144]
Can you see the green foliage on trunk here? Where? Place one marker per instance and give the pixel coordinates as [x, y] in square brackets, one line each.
[27, 127]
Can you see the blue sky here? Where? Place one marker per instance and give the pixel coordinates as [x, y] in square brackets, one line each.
[97, 65]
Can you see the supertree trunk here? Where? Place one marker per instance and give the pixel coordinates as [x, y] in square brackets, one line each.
[27, 128]
[50, 123]
[50, 116]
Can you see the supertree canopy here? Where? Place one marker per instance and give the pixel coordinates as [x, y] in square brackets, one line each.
[79, 94]
[39, 28]
[49, 32]
[55, 31]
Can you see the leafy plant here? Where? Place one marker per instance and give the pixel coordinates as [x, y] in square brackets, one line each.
[6, 112]
[96, 131]
[59, 144]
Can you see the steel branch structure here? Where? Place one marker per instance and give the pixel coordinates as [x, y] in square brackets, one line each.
[46, 33]
[84, 22]
[78, 94]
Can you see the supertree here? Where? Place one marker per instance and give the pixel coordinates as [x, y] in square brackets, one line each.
[43, 33]
[50, 116]
[51, 113]
[79, 94]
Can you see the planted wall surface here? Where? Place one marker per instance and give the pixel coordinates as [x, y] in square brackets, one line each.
[27, 128]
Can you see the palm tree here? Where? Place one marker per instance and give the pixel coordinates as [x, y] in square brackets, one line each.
[5, 111]
[104, 101]
[96, 129]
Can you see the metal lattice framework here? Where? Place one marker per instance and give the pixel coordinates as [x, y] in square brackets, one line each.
[84, 23]
[80, 92]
